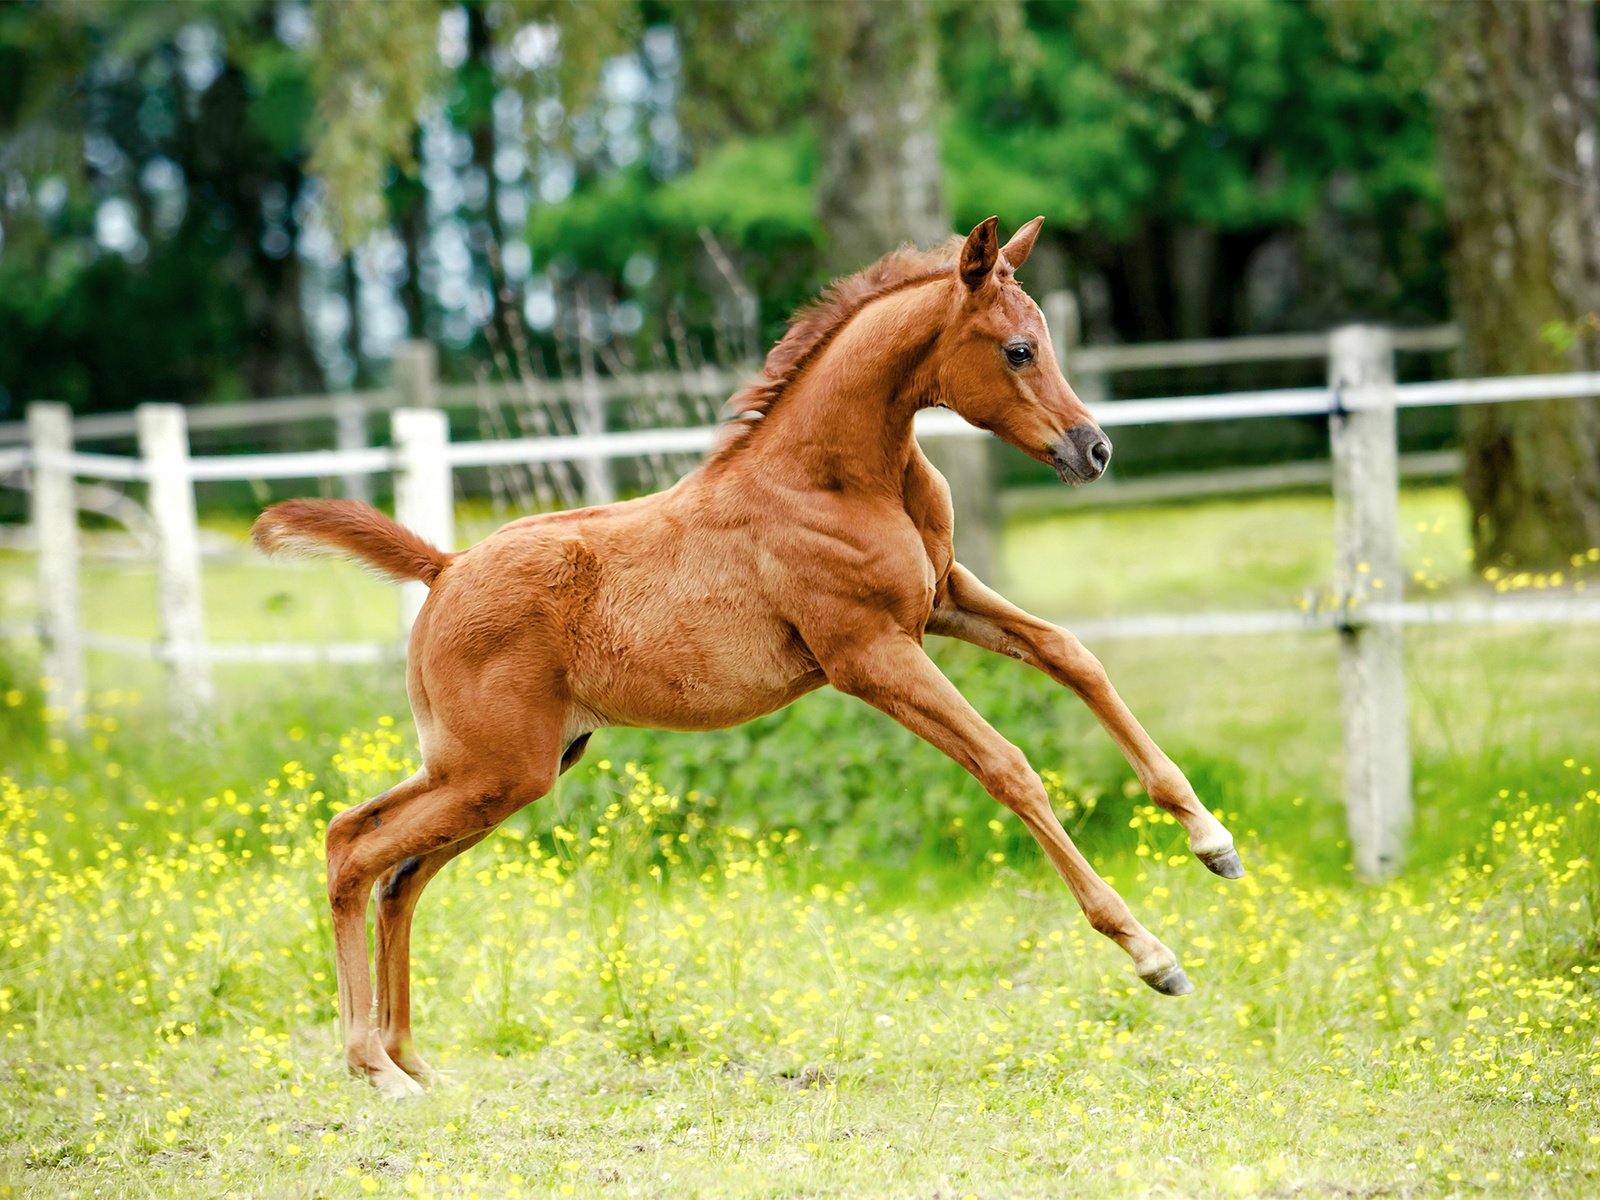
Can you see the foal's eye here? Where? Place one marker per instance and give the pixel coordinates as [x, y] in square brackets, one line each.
[1019, 354]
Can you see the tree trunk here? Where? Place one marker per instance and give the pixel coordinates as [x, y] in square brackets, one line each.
[408, 204]
[350, 277]
[488, 239]
[880, 185]
[1515, 107]
[878, 91]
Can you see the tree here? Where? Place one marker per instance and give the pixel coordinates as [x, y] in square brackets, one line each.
[1220, 166]
[1516, 103]
[881, 183]
[138, 147]
[880, 180]
[393, 76]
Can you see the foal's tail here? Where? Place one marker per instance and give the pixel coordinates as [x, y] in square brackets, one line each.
[352, 529]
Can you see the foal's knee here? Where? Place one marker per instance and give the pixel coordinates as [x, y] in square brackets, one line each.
[1011, 779]
[1074, 661]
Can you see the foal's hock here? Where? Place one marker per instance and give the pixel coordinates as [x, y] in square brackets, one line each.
[812, 547]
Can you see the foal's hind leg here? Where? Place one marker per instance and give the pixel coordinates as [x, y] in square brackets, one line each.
[399, 889]
[348, 894]
[425, 814]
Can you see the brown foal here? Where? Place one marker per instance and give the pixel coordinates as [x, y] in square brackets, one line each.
[813, 546]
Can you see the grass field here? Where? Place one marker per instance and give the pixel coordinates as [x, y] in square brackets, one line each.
[809, 957]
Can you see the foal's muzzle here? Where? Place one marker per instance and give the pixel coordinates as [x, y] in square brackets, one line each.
[1082, 455]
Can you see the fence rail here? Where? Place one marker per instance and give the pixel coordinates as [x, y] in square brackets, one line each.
[292, 410]
[1361, 400]
[1272, 347]
[1091, 362]
[1514, 610]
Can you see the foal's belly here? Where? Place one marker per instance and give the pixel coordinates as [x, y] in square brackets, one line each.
[699, 704]
[690, 677]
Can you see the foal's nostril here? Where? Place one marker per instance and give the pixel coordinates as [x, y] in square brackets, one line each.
[1100, 455]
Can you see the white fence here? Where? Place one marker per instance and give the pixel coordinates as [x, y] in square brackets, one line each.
[585, 396]
[1368, 612]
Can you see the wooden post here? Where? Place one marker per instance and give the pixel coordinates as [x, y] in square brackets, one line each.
[415, 374]
[164, 446]
[1367, 572]
[350, 433]
[1065, 322]
[55, 531]
[966, 462]
[590, 412]
[424, 495]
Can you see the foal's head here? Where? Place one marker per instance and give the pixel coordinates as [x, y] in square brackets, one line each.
[995, 364]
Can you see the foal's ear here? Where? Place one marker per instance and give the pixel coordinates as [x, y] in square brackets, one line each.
[1016, 251]
[980, 253]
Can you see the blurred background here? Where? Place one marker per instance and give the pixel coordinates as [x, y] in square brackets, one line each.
[210, 201]
[204, 202]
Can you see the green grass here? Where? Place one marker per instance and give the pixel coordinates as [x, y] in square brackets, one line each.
[630, 1012]
[901, 999]
[1259, 552]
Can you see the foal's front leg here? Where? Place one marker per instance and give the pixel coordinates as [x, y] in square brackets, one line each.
[892, 673]
[977, 614]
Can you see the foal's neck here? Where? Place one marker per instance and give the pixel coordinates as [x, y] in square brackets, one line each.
[846, 425]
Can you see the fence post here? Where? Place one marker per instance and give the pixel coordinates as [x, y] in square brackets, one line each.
[964, 459]
[55, 529]
[164, 446]
[1367, 572]
[350, 433]
[1065, 321]
[590, 412]
[415, 374]
[424, 496]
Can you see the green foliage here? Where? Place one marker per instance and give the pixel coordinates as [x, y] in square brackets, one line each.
[755, 192]
[753, 195]
[748, 69]
[375, 67]
[192, 306]
[1166, 143]
[1131, 127]
[1231, 113]
[1563, 336]
[376, 70]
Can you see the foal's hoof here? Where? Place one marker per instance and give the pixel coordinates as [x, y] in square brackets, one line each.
[396, 1085]
[392, 1083]
[428, 1077]
[1223, 862]
[1170, 981]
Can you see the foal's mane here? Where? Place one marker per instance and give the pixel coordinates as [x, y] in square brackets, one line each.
[816, 323]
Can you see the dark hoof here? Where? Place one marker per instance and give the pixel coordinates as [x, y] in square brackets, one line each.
[1223, 862]
[1171, 982]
